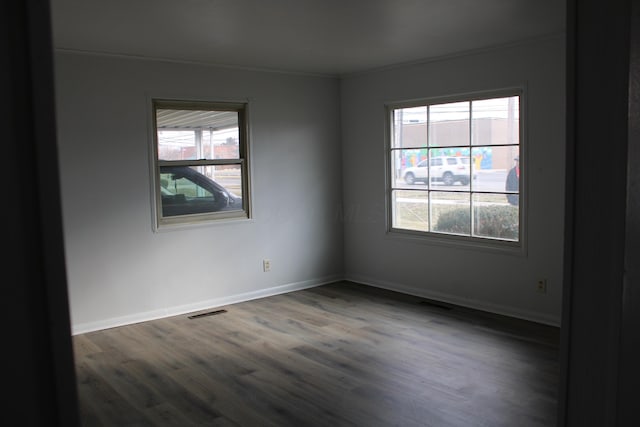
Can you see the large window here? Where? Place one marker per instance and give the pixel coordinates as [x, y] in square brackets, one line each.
[200, 161]
[455, 168]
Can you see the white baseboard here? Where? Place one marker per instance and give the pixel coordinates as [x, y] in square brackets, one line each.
[456, 300]
[82, 328]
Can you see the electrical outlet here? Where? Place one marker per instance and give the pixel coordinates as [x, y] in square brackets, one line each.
[266, 265]
[542, 286]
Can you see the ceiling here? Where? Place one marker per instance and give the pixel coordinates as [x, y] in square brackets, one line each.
[330, 37]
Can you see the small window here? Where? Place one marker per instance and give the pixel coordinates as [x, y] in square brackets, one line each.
[472, 187]
[200, 161]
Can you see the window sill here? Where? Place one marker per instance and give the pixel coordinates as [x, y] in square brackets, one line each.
[200, 223]
[459, 242]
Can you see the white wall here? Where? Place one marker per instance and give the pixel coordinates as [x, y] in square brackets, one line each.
[502, 283]
[119, 270]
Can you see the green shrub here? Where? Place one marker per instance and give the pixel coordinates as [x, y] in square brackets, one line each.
[498, 221]
[454, 221]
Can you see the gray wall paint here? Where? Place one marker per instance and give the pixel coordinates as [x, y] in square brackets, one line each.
[503, 283]
[119, 270]
[308, 188]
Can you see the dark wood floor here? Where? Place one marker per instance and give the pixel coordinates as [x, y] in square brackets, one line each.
[336, 355]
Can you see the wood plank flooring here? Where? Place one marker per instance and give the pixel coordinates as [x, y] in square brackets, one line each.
[336, 355]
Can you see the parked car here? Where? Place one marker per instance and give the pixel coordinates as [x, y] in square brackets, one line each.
[185, 191]
[445, 169]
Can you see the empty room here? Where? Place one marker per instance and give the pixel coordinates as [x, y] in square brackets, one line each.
[316, 213]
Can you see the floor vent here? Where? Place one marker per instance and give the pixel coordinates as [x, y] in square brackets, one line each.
[208, 313]
[436, 305]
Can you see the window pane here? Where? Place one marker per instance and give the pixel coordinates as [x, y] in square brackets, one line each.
[494, 218]
[496, 121]
[450, 212]
[410, 127]
[228, 176]
[449, 124]
[410, 210]
[410, 168]
[491, 166]
[465, 177]
[191, 134]
[200, 189]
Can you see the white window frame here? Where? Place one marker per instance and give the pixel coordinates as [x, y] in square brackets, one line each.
[162, 223]
[456, 240]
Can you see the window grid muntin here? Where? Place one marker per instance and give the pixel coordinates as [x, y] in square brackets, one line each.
[470, 146]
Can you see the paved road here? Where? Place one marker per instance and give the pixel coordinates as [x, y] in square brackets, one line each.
[487, 180]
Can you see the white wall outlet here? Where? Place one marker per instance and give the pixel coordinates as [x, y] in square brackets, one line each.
[541, 286]
[266, 265]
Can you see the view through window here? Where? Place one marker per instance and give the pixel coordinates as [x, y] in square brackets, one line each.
[455, 167]
[200, 161]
